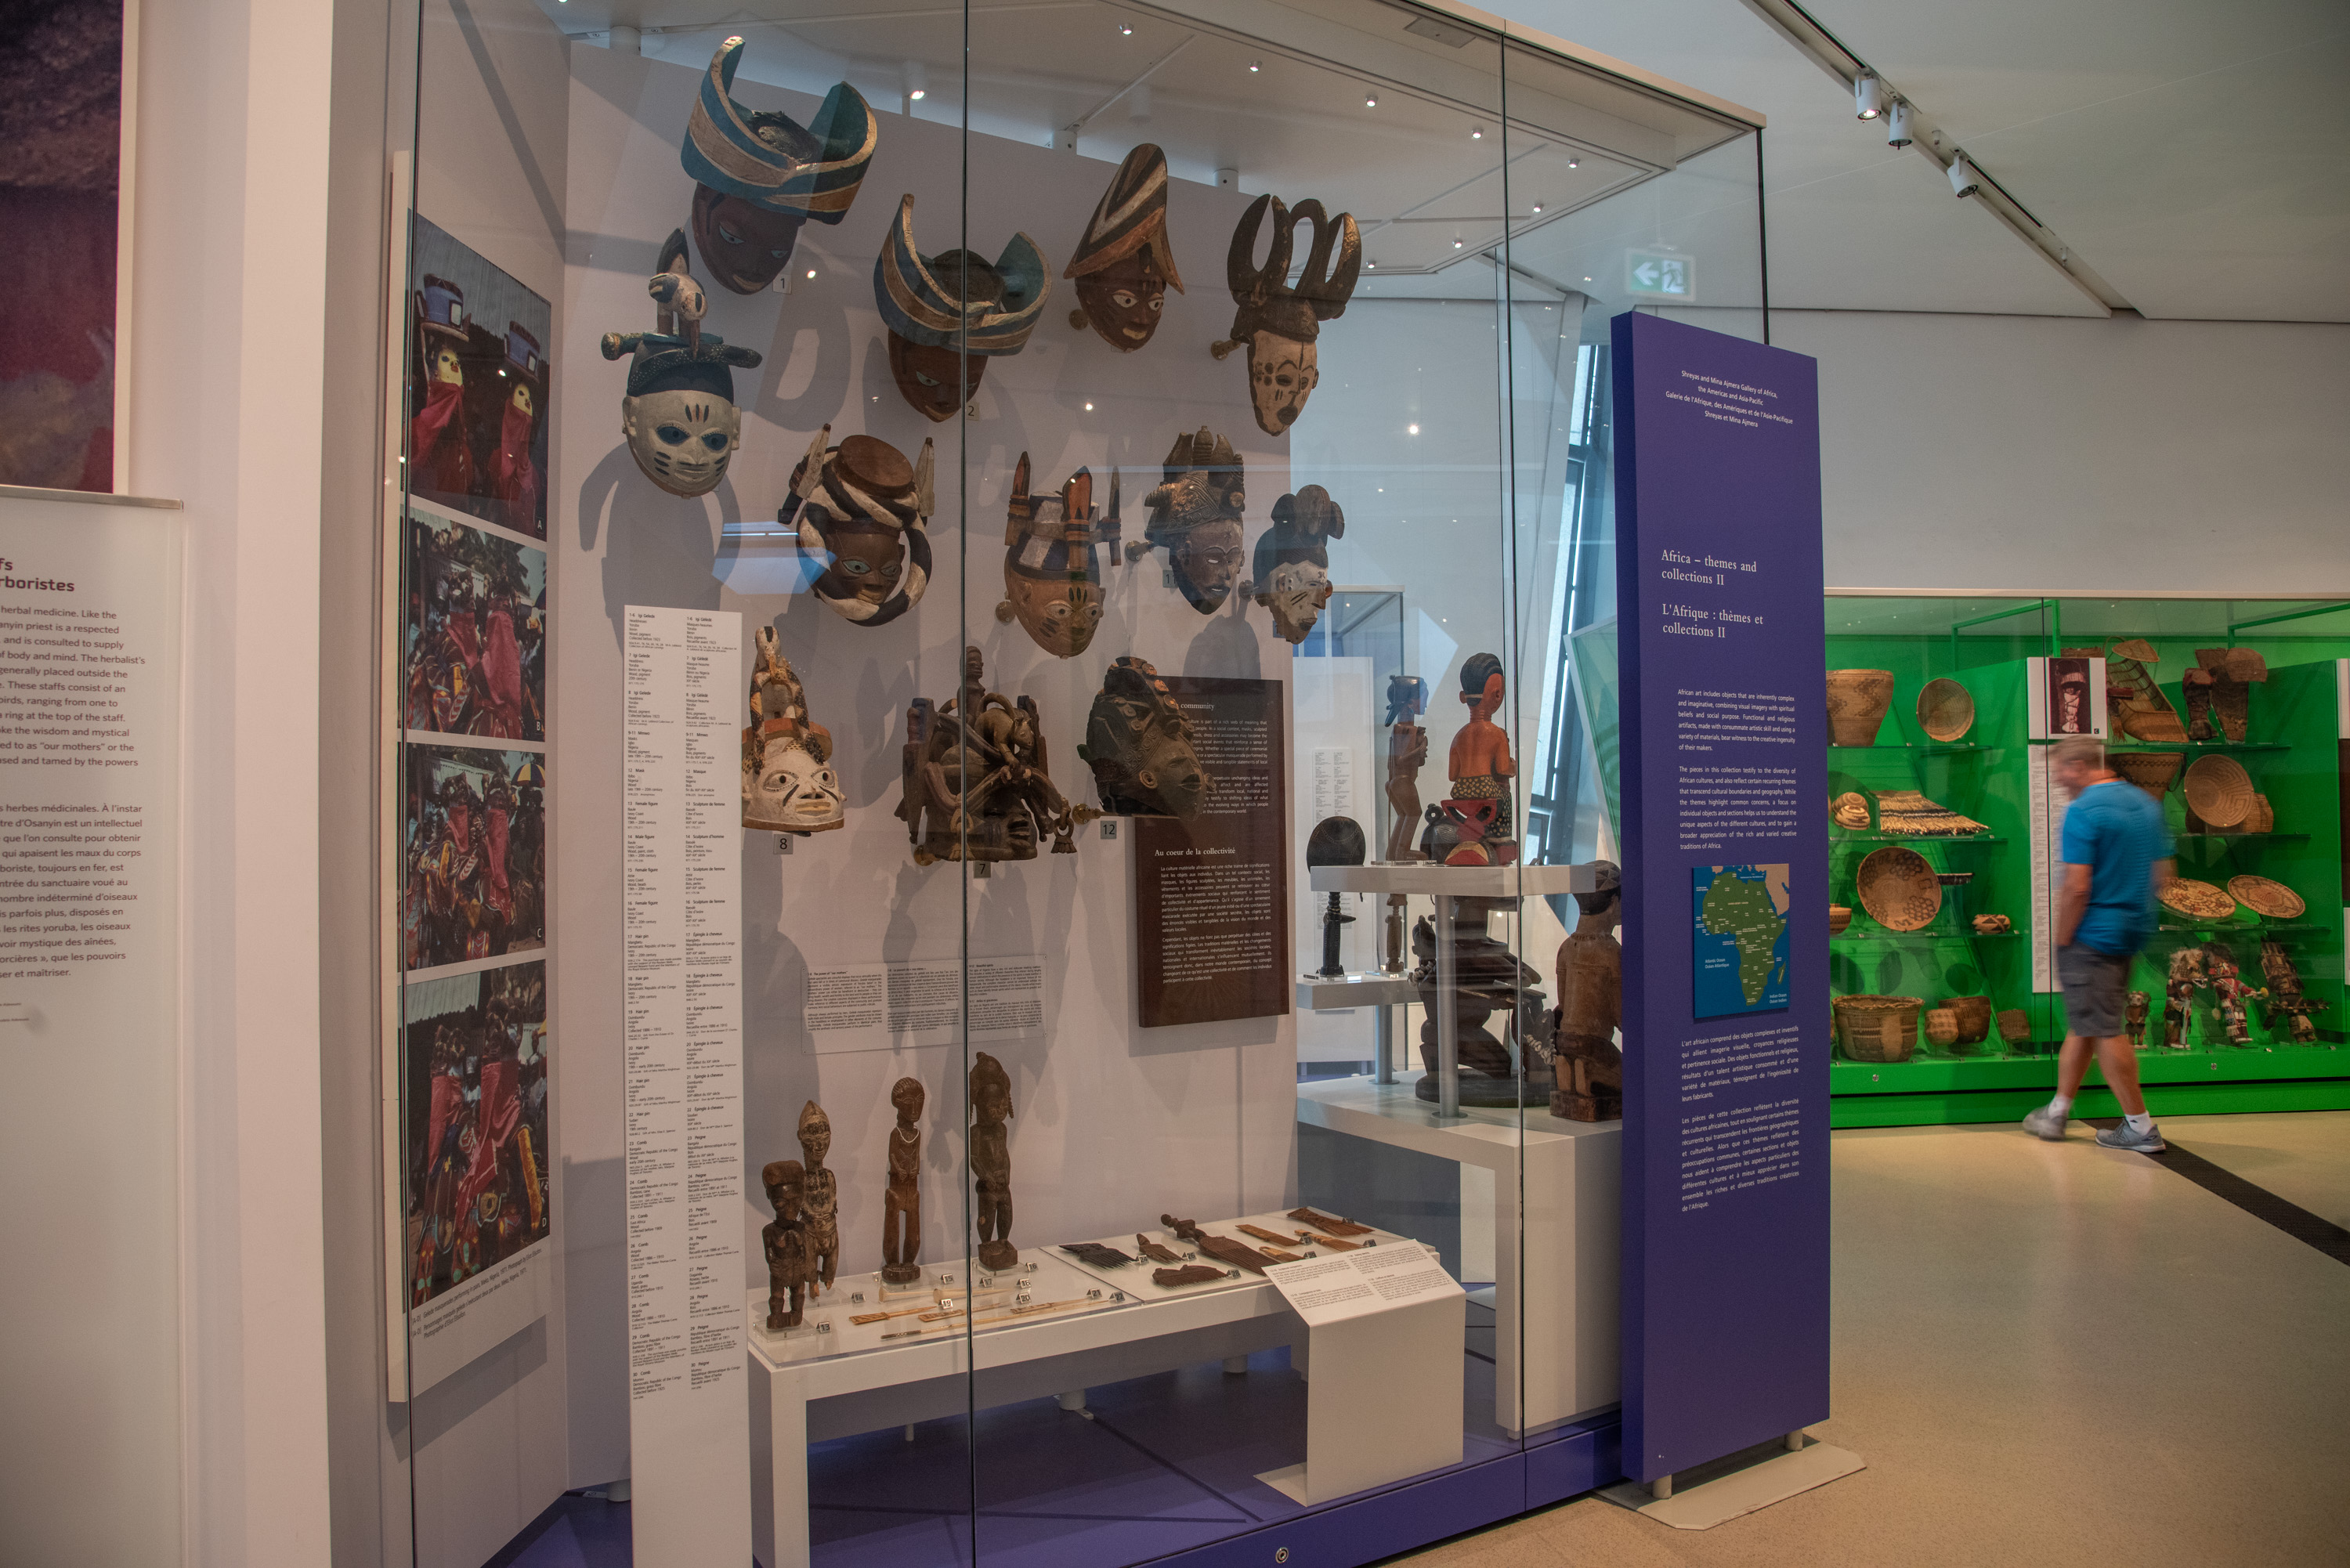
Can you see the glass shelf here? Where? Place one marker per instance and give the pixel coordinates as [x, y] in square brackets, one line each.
[2244, 837]
[1921, 746]
[1914, 838]
[2263, 929]
[2199, 746]
[1888, 938]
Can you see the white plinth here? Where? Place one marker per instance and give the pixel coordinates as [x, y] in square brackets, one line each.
[1453, 881]
[1556, 1234]
[1315, 995]
[1376, 1371]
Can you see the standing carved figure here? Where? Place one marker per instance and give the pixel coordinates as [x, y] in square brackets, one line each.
[2286, 999]
[823, 1198]
[2141, 1005]
[1124, 265]
[1481, 766]
[1588, 1066]
[990, 1162]
[785, 1244]
[1278, 321]
[2229, 993]
[1407, 755]
[2186, 976]
[902, 1200]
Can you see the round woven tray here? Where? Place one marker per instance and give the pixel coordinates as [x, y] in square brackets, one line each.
[2197, 900]
[1877, 1028]
[1945, 710]
[2153, 772]
[2220, 791]
[1899, 889]
[2264, 897]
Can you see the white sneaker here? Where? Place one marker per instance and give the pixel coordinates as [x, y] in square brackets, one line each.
[2146, 1142]
[2046, 1123]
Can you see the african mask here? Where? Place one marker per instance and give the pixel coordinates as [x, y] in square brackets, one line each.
[1277, 321]
[1293, 560]
[864, 511]
[679, 415]
[1124, 265]
[760, 176]
[788, 783]
[975, 784]
[1195, 517]
[1140, 747]
[948, 315]
[1052, 569]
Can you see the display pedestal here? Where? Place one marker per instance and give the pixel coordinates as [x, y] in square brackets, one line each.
[1556, 1232]
[1374, 1369]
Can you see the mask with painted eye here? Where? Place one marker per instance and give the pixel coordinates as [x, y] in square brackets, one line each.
[1052, 561]
[1195, 517]
[1277, 321]
[1124, 265]
[1293, 560]
[759, 175]
[862, 512]
[680, 417]
[948, 315]
[681, 439]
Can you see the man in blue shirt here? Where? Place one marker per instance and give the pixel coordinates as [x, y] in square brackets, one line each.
[2117, 856]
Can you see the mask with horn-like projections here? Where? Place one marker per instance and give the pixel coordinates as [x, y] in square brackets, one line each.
[1140, 746]
[865, 510]
[1052, 565]
[1293, 560]
[1277, 321]
[759, 176]
[1195, 517]
[1125, 267]
[679, 415]
[948, 315]
[788, 783]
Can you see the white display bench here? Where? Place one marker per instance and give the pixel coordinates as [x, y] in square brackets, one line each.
[1556, 1232]
[832, 1379]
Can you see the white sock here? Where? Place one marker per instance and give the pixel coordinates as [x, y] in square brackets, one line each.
[2140, 1123]
[2061, 1106]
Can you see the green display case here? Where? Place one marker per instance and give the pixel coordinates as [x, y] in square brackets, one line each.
[1995, 773]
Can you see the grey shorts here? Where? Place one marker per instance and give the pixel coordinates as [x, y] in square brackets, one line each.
[2096, 990]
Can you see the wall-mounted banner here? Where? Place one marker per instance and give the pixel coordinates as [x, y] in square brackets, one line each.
[1719, 578]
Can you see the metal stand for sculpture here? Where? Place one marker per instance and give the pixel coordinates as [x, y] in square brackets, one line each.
[1588, 1065]
[1336, 841]
[902, 1200]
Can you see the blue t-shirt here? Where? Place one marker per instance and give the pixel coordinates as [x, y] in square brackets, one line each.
[2116, 829]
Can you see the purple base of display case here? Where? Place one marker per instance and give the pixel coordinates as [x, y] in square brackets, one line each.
[1164, 1471]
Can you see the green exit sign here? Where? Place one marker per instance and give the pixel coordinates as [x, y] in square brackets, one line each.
[1660, 274]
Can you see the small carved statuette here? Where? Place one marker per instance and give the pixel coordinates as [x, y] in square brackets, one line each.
[902, 1200]
[1588, 1065]
[2286, 999]
[823, 1197]
[990, 1162]
[2141, 1005]
[785, 1243]
[1481, 766]
[2187, 975]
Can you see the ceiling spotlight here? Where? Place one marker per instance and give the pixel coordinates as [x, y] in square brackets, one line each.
[1897, 124]
[1868, 95]
[1255, 66]
[1538, 206]
[1476, 133]
[1411, 429]
[1456, 242]
[1965, 179]
[1372, 265]
[811, 272]
[1089, 407]
[1125, 30]
[1575, 163]
[1370, 100]
[916, 77]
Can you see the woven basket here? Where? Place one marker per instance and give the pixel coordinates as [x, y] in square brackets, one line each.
[2265, 897]
[1942, 1026]
[1839, 917]
[2261, 818]
[1857, 700]
[1899, 889]
[2196, 900]
[2153, 772]
[2220, 791]
[1877, 1028]
[1946, 710]
[1975, 1018]
[2015, 1026]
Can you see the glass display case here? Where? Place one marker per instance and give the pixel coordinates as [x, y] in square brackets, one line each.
[937, 560]
[1947, 834]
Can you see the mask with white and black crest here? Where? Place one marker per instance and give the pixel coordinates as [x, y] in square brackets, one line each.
[679, 415]
[863, 511]
[1293, 560]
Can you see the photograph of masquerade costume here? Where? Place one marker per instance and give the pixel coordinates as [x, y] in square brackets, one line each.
[788, 783]
[1293, 560]
[477, 395]
[679, 415]
[1277, 321]
[938, 306]
[864, 511]
[1125, 264]
[474, 1069]
[975, 782]
[759, 175]
[1052, 563]
[1195, 517]
[473, 854]
[1139, 745]
[474, 654]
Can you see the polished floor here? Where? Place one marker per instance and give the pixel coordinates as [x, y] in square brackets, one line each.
[2051, 1354]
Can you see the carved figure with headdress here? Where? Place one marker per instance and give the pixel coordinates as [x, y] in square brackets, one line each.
[977, 784]
[950, 314]
[990, 1162]
[1293, 560]
[823, 1197]
[1052, 562]
[1145, 760]
[865, 510]
[788, 782]
[679, 415]
[1278, 321]
[1124, 266]
[1195, 517]
[759, 175]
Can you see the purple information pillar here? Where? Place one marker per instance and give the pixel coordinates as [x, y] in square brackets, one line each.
[1718, 597]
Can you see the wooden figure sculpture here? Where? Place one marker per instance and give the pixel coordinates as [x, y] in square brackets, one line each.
[949, 314]
[1124, 265]
[990, 1162]
[2229, 993]
[788, 782]
[2140, 1006]
[1587, 1066]
[679, 415]
[785, 1244]
[823, 1198]
[1481, 766]
[902, 1200]
[440, 454]
[1407, 755]
[1052, 561]
[1277, 321]
[1140, 746]
[976, 785]
[1336, 841]
[2286, 999]
[864, 511]
[1293, 560]
[2186, 976]
[1488, 979]
[758, 176]
[1195, 517]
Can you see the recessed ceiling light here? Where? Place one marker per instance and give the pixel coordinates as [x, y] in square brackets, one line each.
[1538, 206]
[811, 272]
[1411, 429]
[1456, 243]
[1476, 133]
[1089, 407]
[1370, 100]
[1255, 66]
[1372, 265]
[1575, 163]
[1124, 31]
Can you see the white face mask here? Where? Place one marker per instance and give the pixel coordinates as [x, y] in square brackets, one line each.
[1296, 594]
[792, 791]
[1281, 372]
[682, 439]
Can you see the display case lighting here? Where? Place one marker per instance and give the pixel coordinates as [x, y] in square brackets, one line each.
[1370, 100]
[1897, 124]
[1255, 66]
[1538, 206]
[1868, 95]
[1965, 180]
[1476, 133]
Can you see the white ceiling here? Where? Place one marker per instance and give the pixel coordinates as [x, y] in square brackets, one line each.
[2193, 154]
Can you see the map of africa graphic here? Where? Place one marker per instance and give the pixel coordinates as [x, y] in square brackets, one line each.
[1738, 939]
